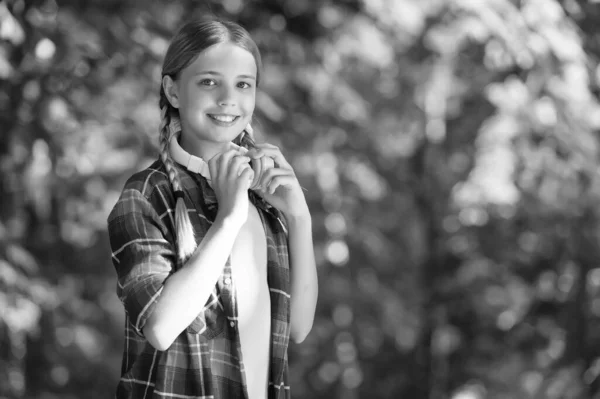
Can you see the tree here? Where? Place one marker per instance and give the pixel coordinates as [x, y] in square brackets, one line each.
[449, 154]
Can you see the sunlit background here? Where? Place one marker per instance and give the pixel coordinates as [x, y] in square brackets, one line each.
[449, 150]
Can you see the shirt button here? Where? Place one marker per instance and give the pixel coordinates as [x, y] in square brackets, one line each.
[232, 323]
[227, 281]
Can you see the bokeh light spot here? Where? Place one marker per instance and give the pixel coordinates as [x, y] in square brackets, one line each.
[352, 377]
[329, 372]
[337, 252]
[343, 315]
[60, 375]
[45, 49]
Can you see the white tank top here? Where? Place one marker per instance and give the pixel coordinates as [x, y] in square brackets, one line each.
[249, 275]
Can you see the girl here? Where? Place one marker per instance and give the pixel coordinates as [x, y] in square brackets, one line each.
[215, 278]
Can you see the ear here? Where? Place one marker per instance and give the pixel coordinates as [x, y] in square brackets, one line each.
[171, 89]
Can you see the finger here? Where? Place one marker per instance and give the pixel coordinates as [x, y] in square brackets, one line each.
[274, 152]
[260, 163]
[267, 164]
[226, 158]
[237, 163]
[280, 181]
[257, 167]
[267, 176]
[245, 176]
[255, 153]
[234, 146]
[229, 148]
[264, 163]
[243, 169]
[219, 162]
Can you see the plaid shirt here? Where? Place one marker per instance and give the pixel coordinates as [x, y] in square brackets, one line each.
[205, 360]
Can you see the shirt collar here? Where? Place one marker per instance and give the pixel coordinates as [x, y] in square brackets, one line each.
[200, 175]
[199, 166]
[192, 163]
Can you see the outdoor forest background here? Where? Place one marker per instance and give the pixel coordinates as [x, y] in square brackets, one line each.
[449, 150]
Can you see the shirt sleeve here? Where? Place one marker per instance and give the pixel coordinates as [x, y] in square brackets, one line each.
[141, 254]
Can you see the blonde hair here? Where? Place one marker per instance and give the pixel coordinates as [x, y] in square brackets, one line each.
[193, 38]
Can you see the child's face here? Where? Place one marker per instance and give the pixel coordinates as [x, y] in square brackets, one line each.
[217, 93]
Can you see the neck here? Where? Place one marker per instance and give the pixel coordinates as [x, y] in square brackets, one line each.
[202, 148]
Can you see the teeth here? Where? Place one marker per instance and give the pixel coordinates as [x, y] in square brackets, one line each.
[223, 118]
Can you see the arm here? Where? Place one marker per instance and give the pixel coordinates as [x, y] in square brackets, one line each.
[280, 187]
[304, 285]
[185, 292]
[160, 303]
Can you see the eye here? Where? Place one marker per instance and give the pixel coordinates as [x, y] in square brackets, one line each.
[244, 85]
[207, 82]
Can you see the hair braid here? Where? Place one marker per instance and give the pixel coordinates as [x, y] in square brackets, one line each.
[186, 242]
[245, 140]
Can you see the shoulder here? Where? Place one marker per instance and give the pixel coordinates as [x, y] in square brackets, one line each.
[144, 191]
[148, 180]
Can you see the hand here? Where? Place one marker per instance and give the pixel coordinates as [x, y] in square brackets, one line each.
[231, 176]
[279, 185]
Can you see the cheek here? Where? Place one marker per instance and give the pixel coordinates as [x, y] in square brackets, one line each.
[195, 99]
[192, 109]
[195, 104]
[249, 103]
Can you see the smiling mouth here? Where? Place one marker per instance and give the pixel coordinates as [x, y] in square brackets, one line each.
[223, 118]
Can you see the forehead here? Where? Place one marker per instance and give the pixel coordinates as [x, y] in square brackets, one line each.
[225, 58]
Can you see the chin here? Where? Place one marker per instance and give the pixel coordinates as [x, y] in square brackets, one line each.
[221, 134]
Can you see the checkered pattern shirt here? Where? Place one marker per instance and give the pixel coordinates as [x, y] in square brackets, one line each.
[205, 360]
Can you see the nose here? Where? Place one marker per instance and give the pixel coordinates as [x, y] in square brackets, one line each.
[226, 96]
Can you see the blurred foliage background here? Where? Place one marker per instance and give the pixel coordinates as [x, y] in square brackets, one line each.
[450, 153]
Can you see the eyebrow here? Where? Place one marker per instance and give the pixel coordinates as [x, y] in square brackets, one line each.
[219, 74]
